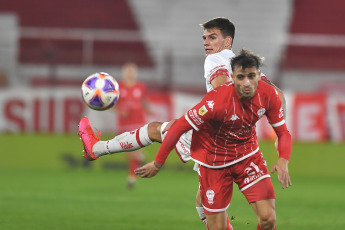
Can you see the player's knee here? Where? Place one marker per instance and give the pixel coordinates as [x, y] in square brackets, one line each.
[267, 221]
[154, 131]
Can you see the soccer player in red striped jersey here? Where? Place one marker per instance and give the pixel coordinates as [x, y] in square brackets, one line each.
[218, 38]
[225, 144]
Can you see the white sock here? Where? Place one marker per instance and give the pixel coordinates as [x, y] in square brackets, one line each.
[202, 215]
[125, 142]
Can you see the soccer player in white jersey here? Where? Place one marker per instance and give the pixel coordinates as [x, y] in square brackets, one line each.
[218, 38]
[226, 147]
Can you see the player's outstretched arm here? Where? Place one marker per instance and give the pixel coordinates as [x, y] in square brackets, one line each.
[172, 137]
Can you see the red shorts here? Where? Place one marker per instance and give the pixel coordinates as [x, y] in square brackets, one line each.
[251, 175]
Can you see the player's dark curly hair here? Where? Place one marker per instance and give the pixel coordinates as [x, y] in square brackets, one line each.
[246, 59]
[226, 27]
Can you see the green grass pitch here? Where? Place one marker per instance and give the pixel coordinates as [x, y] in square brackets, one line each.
[45, 184]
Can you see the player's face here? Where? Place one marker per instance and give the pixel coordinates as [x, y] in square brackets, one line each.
[246, 81]
[214, 41]
[129, 73]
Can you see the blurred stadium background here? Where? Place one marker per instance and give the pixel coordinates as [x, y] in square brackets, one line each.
[47, 49]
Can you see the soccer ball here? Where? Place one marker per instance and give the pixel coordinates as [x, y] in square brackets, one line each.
[100, 91]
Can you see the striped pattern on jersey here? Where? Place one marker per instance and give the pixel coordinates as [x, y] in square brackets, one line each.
[225, 124]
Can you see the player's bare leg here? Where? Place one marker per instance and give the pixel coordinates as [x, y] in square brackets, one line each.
[265, 213]
[154, 131]
[201, 213]
[217, 221]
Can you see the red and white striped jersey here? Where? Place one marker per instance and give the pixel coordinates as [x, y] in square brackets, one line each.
[225, 124]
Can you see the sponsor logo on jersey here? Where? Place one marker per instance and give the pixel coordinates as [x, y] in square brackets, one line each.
[234, 117]
[261, 112]
[203, 111]
[210, 196]
[195, 117]
[210, 104]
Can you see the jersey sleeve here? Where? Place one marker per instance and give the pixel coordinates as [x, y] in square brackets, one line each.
[275, 114]
[214, 67]
[284, 141]
[176, 130]
[203, 111]
[194, 118]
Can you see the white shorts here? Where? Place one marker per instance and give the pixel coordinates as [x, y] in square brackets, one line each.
[183, 145]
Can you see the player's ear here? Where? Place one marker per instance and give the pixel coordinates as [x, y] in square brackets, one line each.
[228, 41]
[232, 76]
[259, 72]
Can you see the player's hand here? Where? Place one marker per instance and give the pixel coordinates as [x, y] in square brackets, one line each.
[283, 172]
[148, 170]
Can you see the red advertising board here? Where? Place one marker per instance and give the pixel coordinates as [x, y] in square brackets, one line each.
[309, 117]
[59, 110]
[337, 117]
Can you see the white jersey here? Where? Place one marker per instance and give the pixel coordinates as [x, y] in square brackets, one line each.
[217, 64]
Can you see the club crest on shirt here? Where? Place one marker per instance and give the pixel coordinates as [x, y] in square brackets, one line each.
[234, 117]
[203, 110]
[261, 112]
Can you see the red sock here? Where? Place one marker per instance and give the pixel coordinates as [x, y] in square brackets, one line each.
[275, 228]
[134, 163]
[228, 226]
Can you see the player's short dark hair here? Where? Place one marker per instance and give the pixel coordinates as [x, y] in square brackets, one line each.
[226, 27]
[246, 59]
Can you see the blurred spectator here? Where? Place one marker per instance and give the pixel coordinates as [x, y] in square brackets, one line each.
[132, 109]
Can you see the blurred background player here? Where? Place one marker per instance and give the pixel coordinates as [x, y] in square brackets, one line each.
[131, 112]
